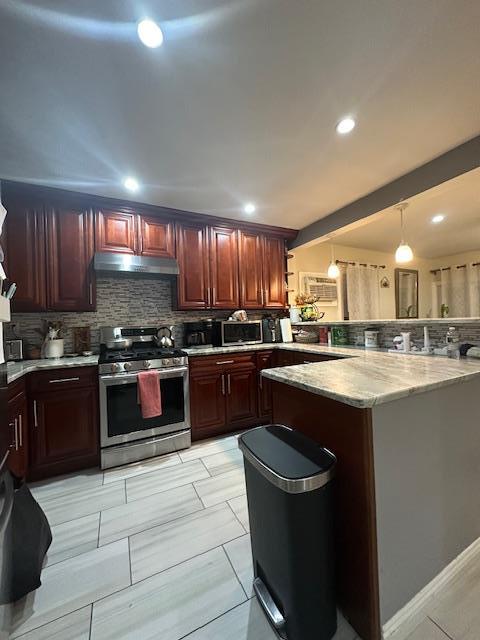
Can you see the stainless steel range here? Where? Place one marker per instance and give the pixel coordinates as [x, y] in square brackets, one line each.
[125, 436]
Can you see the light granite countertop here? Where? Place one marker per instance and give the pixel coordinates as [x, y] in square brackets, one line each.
[360, 377]
[16, 370]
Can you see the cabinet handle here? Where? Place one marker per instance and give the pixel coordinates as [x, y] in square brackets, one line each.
[209, 297]
[35, 416]
[20, 434]
[90, 293]
[223, 384]
[16, 434]
[76, 379]
[213, 296]
[225, 362]
[228, 383]
[264, 297]
[260, 380]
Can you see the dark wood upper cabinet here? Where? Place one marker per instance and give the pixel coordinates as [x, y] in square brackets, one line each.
[251, 270]
[115, 231]
[156, 237]
[274, 267]
[24, 243]
[70, 250]
[224, 270]
[193, 261]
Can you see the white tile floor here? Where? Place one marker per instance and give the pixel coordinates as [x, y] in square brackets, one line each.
[161, 549]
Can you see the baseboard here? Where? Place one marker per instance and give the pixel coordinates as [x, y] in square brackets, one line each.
[407, 618]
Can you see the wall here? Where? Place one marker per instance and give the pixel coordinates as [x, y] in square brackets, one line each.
[317, 258]
[427, 475]
[120, 302]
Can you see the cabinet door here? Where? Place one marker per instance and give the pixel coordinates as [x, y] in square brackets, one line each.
[24, 244]
[264, 361]
[156, 237]
[251, 270]
[17, 423]
[274, 272]
[70, 252]
[242, 396]
[207, 403]
[224, 268]
[192, 254]
[64, 433]
[115, 231]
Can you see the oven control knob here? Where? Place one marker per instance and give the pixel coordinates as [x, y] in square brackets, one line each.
[115, 367]
[147, 364]
[127, 366]
[166, 362]
[177, 361]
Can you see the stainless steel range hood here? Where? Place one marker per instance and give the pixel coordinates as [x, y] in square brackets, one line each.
[134, 265]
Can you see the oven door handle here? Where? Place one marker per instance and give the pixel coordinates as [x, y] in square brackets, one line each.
[120, 378]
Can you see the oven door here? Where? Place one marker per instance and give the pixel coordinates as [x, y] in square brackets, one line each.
[121, 418]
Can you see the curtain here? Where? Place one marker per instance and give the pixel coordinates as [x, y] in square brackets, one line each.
[362, 292]
[459, 289]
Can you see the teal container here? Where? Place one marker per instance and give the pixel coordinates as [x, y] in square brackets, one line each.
[339, 336]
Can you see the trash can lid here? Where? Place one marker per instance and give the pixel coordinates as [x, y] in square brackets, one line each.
[287, 458]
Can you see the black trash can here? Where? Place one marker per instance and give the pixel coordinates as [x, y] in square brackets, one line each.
[289, 493]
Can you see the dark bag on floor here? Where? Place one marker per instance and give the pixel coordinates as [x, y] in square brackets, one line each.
[32, 537]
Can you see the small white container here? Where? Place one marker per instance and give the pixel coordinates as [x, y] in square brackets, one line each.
[406, 341]
[371, 339]
[54, 348]
[295, 315]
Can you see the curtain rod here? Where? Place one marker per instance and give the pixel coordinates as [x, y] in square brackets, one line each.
[361, 264]
[460, 266]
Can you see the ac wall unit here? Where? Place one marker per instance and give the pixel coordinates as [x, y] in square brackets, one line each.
[320, 285]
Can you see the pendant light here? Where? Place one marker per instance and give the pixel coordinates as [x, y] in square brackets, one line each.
[333, 270]
[404, 253]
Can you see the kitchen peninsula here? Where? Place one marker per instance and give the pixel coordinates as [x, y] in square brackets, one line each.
[404, 429]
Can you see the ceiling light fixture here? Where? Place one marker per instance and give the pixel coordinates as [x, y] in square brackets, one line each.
[404, 253]
[438, 218]
[131, 184]
[249, 208]
[333, 270]
[345, 125]
[150, 33]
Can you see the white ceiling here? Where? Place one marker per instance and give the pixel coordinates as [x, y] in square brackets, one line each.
[241, 101]
[458, 200]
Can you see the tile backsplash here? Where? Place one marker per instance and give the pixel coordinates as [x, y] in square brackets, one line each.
[121, 301]
[126, 301]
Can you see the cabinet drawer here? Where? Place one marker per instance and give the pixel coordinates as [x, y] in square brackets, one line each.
[16, 388]
[67, 378]
[223, 360]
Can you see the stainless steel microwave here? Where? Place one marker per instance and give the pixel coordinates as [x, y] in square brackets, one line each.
[226, 333]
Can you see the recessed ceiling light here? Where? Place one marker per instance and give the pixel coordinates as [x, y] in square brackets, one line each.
[346, 125]
[250, 208]
[150, 33]
[438, 218]
[131, 184]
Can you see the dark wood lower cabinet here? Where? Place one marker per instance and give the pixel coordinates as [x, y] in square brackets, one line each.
[63, 424]
[223, 394]
[17, 425]
[241, 396]
[265, 360]
[207, 403]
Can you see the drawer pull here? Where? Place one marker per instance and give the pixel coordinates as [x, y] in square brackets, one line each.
[35, 416]
[90, 294]
[76, 379]
[20, 435]
[225, 362]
